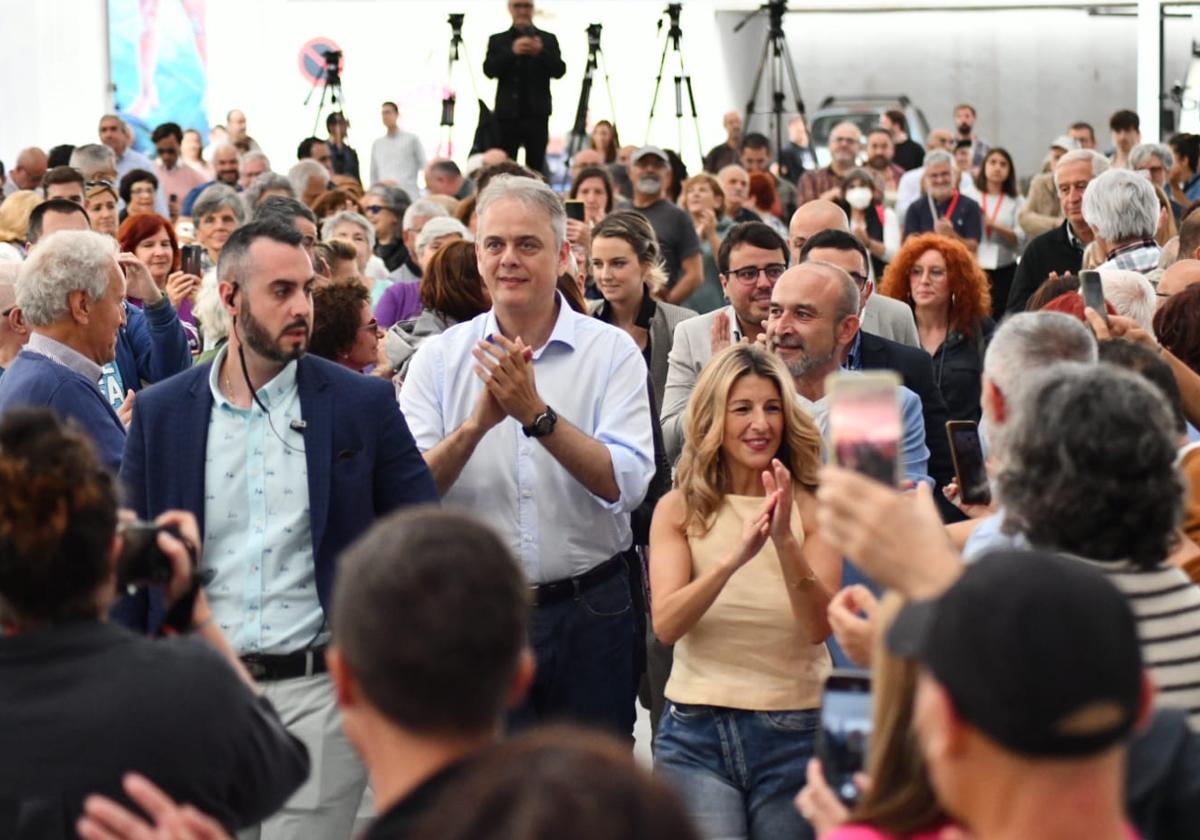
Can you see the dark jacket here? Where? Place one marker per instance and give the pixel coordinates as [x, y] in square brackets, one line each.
[152, 345]
[85, 702]
[958, 370]
[523, 81]
[1051, 251]
[1162, 779]
[914, 366]
[362, 461]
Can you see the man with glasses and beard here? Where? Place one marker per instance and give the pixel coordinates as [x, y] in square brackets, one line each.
[284, 459]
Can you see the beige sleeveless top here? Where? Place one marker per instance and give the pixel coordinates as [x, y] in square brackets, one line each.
[747, 651]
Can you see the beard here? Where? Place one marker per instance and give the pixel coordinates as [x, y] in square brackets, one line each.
[804, 363]
[878, 162]
[649, 184]
[256, 337]
[964, 129]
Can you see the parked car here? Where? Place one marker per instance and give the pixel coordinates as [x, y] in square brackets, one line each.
[864, 111]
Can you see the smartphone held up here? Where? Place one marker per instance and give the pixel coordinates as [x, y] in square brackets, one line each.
[865, 424]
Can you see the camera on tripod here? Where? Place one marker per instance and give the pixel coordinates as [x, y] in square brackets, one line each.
[593, 36]
[333, 66]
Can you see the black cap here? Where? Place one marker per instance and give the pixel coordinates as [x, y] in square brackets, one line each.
[1038, 651]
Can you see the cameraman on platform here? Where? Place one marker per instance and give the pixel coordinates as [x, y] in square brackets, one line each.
[84, 701]
[523, 60]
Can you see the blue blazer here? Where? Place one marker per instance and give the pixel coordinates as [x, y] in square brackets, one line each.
[362, 461]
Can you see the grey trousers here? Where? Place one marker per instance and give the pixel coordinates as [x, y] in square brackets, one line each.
[325, 807]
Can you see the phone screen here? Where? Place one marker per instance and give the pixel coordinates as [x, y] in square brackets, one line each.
[967, 451]
[864, 423]
[845, 731]
[1093, 292]
[190, 259]
[574, 210]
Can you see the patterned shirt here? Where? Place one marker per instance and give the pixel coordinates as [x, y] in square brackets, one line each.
[257, 534]
[1140, 256]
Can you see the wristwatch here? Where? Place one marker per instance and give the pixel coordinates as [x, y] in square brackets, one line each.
[542, 425]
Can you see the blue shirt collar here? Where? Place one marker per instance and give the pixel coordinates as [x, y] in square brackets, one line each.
[270, 394]
[563, 332]
[853, 360]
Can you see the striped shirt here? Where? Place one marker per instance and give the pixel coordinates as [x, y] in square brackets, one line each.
[1167, 606]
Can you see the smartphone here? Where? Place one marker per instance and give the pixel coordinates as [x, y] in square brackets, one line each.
[969, 468]
[1093, 292]
[845, 731]
[190, 259]
[141, 560]
[574, 209]
[864, 422]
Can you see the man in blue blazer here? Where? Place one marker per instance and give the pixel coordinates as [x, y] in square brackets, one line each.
[284, 459]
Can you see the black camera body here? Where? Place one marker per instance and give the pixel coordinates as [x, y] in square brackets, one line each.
[141, 560]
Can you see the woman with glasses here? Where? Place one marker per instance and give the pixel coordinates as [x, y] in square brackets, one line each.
[384, 206]
[138, 190]
[344, 328]
[948, 294]
[100, 201]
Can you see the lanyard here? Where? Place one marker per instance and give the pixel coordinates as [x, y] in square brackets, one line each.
[949, 210]
[989, 222]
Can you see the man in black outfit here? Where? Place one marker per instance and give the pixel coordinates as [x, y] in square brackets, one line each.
[1060, 249]
[523, 60]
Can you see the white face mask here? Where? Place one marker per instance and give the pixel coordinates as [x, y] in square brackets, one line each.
[859, 197]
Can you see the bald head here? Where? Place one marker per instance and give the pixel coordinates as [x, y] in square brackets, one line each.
[1178, 277]
[812, 218]
[29, 169]
[940, 138]
[812, 319]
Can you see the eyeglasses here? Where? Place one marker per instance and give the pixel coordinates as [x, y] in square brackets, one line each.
[108, 185]
[749, 274]
[142, 190]
[8, 311]
[372, 209]
[859, 278]
[370, 326]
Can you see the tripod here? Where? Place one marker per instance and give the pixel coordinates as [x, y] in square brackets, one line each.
[330, 84]
[781, 64]
[674, 34]
[595, 55]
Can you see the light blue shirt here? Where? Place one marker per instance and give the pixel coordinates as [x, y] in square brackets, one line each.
[914, 454]
[987, 536]
[594, 377]
[257, 535]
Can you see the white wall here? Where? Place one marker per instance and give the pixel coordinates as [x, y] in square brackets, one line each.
[1029, 72]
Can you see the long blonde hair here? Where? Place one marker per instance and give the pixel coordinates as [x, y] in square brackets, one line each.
[901, 800]
[702, 475]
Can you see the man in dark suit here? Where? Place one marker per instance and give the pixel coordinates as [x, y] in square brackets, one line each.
[873, 352]
[523, 60]
[284, 459]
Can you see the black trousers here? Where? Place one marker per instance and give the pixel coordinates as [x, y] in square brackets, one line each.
[532, 133]
[1001, 282]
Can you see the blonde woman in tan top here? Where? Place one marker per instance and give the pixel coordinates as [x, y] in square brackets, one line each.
[740, 582]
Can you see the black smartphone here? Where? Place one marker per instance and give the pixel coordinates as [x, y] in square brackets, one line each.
[191, 259]
[969, 468]
[1093, 292]
[845, 731]
[574, 209]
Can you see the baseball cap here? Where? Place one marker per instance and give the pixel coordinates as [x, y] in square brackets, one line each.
[648, 150]
[1037, 651]
[1064, 141]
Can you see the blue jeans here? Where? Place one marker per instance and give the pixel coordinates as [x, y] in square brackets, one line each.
[584, 650]
[738, 771]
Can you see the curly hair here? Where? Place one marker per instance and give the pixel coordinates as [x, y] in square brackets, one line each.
[1177, 325]
[337, 317]
[1089, 467]
[140, 227]
[702, 475]
[58, 514]
[451, 284]
[970, 298]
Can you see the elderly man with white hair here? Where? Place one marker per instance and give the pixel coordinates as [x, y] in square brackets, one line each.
[309, 179]
[1122, 209]
[71, 291]
[1131, 294]
[1060, 250]
[415, 217]
[14, 332]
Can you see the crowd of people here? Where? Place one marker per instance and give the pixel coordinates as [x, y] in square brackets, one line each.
[336, 507]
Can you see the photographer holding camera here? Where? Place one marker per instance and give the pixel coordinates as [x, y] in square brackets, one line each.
[85, 701]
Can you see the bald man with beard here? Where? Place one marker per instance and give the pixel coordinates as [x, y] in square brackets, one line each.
[881, 315]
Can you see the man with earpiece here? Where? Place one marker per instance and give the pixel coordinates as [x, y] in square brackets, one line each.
[285, 459]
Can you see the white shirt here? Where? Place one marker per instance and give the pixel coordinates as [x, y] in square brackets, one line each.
[594, 377]
[993, 251]
[398, 157]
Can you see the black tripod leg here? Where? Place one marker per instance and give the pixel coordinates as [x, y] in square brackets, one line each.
[762, 64]
[791, 74]
[662, 61]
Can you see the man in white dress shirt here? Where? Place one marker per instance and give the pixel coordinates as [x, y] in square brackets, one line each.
[398, 155]
[537, 419]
